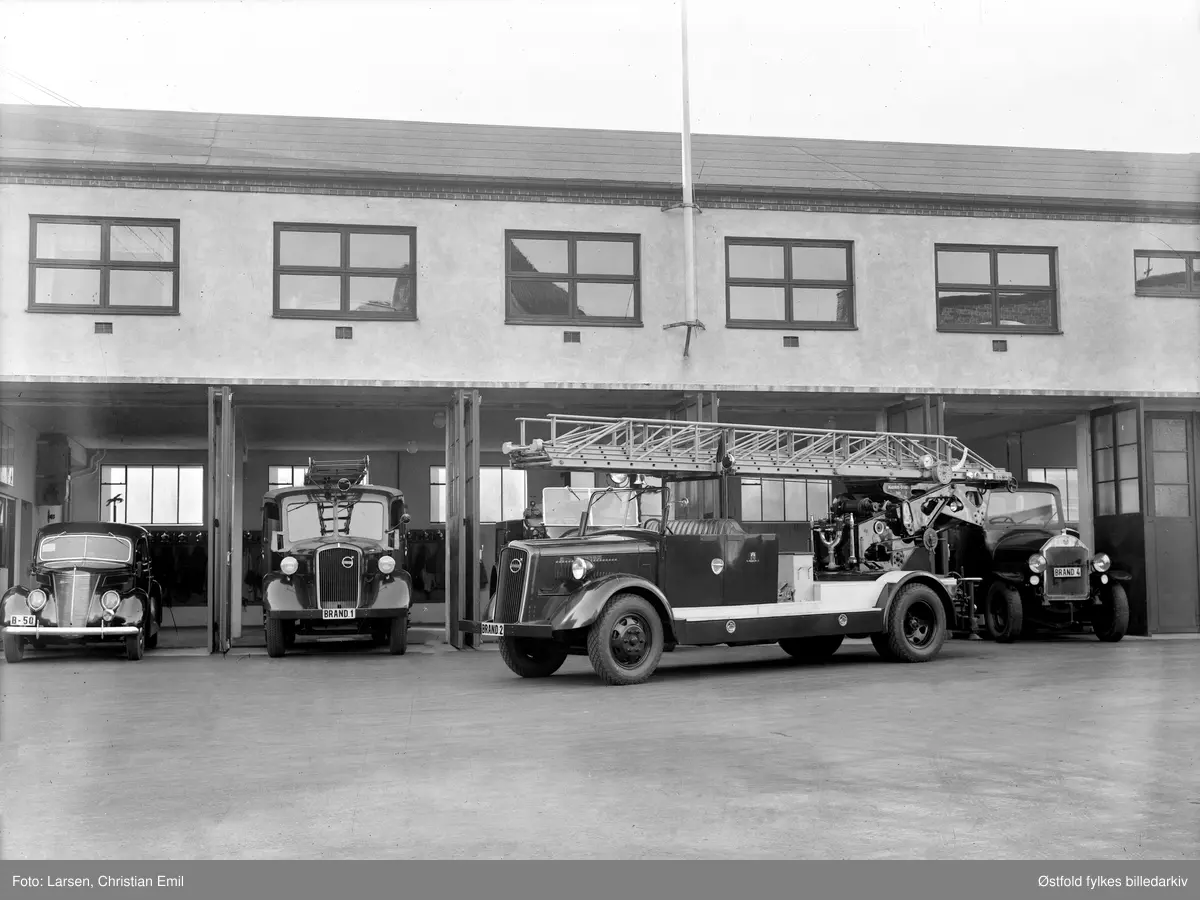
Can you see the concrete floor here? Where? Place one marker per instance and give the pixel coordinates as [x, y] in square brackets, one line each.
[1050, 750]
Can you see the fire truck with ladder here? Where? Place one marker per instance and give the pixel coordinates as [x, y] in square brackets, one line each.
[620, 578]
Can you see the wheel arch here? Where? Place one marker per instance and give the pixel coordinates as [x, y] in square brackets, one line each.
[588, 603]
[896, 585]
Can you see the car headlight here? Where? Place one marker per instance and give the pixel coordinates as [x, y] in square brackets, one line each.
[387, 565]
[289, 565]
[1101, 562]
[36, 599]
[1037, 563]
[580, 567]
[110, 600]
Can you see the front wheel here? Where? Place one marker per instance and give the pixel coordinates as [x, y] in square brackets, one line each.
[818, 647]
[1003, 614]
[276, 638]
[626, 642]
[14, 648]
[135, 645]
[398, 636]
[1110, 621]
[531, 658]
[916, 626]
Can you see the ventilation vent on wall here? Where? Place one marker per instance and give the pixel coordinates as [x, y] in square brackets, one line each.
[790, 340]
[571, 337]
[104, 328]
[344, 333]
[1000, 346]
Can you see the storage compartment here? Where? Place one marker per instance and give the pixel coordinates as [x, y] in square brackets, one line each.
[795, 578]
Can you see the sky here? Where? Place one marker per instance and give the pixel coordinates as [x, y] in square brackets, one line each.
[1081, 74]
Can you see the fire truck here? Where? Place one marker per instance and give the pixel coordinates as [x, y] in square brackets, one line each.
[621, 577]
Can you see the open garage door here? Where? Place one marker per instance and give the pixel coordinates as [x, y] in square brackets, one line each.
[463, 538]
[220, 507]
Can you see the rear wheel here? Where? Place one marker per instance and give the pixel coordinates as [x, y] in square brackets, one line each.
[398, 636]
[14, 648]
[1110, 620]
[531, 658]
[276, 639]
[916, 626]
[1003, 614]
[626, 642]
[812, 647]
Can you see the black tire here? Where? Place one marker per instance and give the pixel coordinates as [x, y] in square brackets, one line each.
[14, 648]
[916, 626]
[289, 635]
[625, 643]
[152, 641]
[135, 645]
[276, 639]
[530, 657]
[1110, 621]
[398, 636]
[1003, 613]
[820, 647]
[152, 627]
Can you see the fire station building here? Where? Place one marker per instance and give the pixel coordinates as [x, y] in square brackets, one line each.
[193, 305]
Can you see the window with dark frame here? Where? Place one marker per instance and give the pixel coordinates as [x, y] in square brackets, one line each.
[784, 499]
[502, 494]
[1158, 273]
[576, 277]
[996, 289]
[118, 265]
[152, 495]
[345, 271]
[777, 283]
[1115, 463]
[1066, 479]
[285, 476]
[8, 455]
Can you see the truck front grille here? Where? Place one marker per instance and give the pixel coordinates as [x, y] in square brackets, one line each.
[338, 577]
[1071, 587]
[511, 585]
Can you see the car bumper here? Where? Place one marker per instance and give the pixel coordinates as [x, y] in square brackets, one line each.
[318, 615]
[507, 629]
[72, 631]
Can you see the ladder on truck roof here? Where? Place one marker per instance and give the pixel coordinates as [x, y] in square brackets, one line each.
[715, 448]
[328, 473]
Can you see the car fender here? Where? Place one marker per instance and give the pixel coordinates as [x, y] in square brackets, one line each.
[1115, 575]
[584, 606]
[896, 580]
[133, 608]
[395, 592]
[12, 602]
[1014, 578]
[279, 594]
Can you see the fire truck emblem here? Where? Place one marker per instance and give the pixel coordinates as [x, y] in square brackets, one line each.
[842, 620]
[731, 626]
[717, 566]
[753, 557]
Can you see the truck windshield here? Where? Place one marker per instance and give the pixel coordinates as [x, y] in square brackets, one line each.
[91, 548]
[1038, 509]
[304, 518]
[563, 507]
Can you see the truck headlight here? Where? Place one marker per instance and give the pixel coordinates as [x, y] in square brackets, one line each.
[110, 600]
[1101, 562]
[289, 565]
[580, 567]
[36, 599]
[387, 565]
[1037, 563]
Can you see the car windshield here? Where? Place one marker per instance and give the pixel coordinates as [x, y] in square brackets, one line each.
[305, 518]
[565, 505]
[91, 548]
[1036, 509]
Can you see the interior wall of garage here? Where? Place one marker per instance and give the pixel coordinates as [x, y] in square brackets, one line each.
[1051, 447]
[19, 497]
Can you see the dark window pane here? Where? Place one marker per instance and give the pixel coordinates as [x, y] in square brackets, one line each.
[1025, 269]
[536, 255]
[310, 248]
[1102, 431]
[1030, 310]
[1103, 462]
[604, 257]
[959, 309]
[137, 243]
[1106, 499]
[610, 300]
[539, 298]
[1170, 468]
[310, 292]
[129, 287]
[1160, 273]
[56, 240]
[964, 267]
[819, 264]
[67, 287]
[1127, 494]
[756, 303]
[750, 261]
[380, 251]
[821, 304]
[381, 294]
[1169, 434]
[1127, 426]
[1172, 501]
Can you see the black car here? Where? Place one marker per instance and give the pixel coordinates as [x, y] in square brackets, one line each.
[91, 583]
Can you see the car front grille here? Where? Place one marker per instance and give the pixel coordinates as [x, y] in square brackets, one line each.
[338, 577]
[73, 594]
[1064, 588]
[511, 584]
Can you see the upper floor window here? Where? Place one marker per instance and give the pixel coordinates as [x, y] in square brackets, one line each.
[1166, 274]
[152, 495]
[789, 284]
[553, 278]
[1005, 289]
[88, 264]
[345, 271]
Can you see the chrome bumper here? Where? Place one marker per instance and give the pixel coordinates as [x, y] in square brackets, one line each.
[71, 631]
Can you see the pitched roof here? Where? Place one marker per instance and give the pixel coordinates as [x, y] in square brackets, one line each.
[144, 139]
